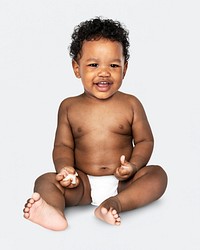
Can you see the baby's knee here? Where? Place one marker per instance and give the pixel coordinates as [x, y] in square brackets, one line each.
[162, 174]
[161, 179]
[47, 177]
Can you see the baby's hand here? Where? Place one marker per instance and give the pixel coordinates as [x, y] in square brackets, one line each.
[68, 177]
[126, 170]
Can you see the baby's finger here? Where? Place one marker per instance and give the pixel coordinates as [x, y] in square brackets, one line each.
[117, 174]
[60, 177]
[122, 159]
[65, 183]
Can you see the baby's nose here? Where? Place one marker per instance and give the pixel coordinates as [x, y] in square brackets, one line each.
[104, 71]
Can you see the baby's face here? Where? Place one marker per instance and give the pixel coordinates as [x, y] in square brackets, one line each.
[101, 67]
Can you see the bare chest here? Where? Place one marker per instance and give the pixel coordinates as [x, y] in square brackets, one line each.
[100, 121]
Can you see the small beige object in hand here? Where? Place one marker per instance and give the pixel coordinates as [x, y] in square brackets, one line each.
[71, 177]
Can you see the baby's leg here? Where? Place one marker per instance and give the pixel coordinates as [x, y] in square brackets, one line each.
[147, 185]
[46, 207]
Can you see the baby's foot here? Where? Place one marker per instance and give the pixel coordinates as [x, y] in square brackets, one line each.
[41, 213]
[108, 211]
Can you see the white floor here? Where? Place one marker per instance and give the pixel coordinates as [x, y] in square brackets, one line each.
[170, 223]
[36, 75]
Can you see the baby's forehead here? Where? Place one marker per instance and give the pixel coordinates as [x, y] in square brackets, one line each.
[101, 49]
[101, 46]
[100, 42]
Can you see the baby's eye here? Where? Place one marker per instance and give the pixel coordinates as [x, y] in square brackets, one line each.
[114, 65]
[93, 65]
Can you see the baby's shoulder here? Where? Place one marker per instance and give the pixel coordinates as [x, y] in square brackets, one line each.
[129, 99]
[69, 101]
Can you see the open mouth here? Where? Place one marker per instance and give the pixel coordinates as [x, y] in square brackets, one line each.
[103, 84]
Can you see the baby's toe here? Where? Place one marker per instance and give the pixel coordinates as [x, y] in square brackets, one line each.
[29, 205]
[104, 210]
[31, 201]
[115, 216]
[114, 212]
[26, 210]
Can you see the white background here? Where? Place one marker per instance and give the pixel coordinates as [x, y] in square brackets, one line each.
[36, 75]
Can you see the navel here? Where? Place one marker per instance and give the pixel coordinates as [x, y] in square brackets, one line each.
[79, 129]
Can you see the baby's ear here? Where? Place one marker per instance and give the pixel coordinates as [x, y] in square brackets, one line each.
[76, 68]
[125, 69]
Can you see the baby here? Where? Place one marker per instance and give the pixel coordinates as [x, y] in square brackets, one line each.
[103, 140]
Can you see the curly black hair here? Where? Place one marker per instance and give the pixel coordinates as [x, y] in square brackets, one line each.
[95, 29]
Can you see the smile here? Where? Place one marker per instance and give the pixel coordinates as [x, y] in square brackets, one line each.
[103, 84]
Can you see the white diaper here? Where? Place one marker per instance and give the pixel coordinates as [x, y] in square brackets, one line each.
[102, 187]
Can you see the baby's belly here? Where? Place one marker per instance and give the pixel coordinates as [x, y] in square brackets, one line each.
[98, 170]
[100, 163]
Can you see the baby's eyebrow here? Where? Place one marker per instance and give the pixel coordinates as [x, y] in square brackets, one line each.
[92, 59]
[117, 60]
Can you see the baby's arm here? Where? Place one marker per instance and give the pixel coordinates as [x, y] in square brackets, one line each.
[143, 143]
[142, 137]
[63, 152]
